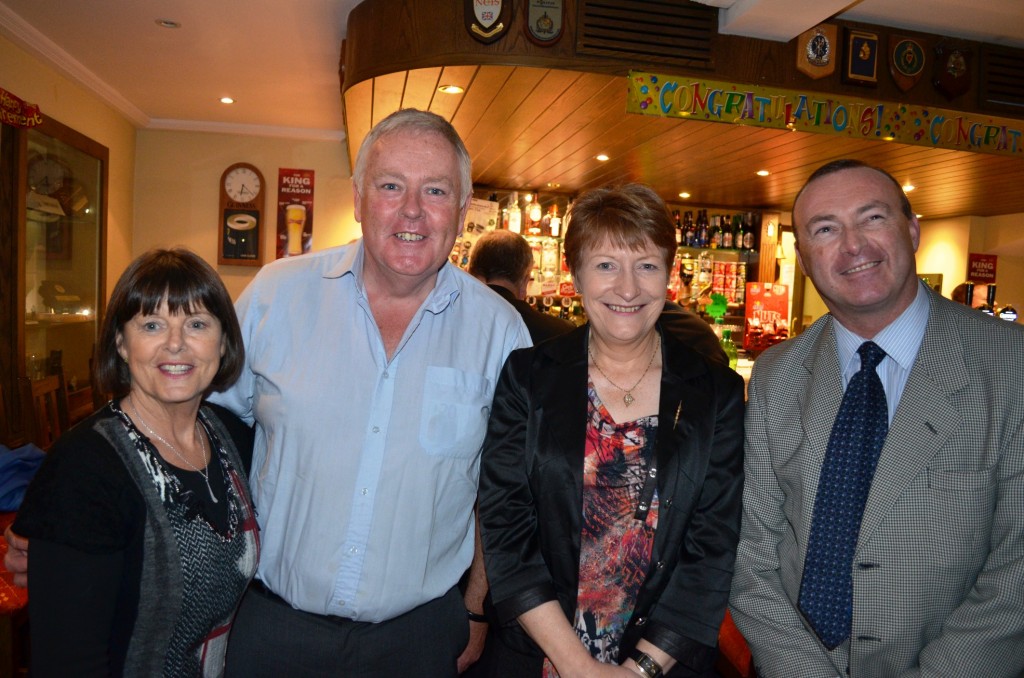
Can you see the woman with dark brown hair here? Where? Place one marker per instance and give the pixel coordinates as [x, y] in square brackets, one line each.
[143, 536]
[611, 474]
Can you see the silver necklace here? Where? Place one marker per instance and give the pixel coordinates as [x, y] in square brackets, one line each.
[628, 398]
[202, 444]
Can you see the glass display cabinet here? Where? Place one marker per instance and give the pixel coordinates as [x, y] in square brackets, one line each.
[52, 236]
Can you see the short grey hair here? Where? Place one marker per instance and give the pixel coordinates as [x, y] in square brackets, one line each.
[420, 121]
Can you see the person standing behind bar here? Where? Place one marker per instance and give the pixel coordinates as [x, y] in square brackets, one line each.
[891, 542]
[369, 376]
[503, 260]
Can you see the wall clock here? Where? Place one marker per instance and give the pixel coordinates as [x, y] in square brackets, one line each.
[46, 175]
[241, 215]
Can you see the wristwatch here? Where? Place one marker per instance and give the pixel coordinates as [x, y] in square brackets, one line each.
[646, 664]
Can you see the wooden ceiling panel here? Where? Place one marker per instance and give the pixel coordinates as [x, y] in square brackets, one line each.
[527, 128]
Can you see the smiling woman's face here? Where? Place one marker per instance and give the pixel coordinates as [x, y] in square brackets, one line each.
[623, 290]
[172, 358]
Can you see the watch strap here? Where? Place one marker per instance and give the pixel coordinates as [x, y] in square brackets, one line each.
[646, 664]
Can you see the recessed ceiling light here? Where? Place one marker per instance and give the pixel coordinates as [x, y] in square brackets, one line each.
[167, 23]
[602, 157]
[451, 89]
[918, 215]
[763, 173]
[684, 195]
[227, 100]
[554, 184]
[908, 187]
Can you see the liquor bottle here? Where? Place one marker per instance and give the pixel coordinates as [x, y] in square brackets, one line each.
[690, 236]
[729, 347]
[1009, 313]
[555, 223]
[989, 307]
[748, 233]
[679, 227]
[515, 215]
[715, 232]
[727, 232]
[702, 228]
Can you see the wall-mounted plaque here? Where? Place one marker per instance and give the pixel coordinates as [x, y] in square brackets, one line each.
[544, 20]
[861, 57]
[488, 20]
[816, 51]
[906, 61]
[952, 70]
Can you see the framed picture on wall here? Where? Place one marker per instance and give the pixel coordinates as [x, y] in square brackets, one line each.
[861, 59]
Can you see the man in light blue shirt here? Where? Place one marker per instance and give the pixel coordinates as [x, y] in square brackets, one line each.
[369, 376]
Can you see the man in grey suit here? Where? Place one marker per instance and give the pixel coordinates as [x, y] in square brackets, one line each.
[933, 578]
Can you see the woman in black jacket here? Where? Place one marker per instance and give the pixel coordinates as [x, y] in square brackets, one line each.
[611, 475]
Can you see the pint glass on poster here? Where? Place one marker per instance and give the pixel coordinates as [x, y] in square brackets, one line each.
[295, 220]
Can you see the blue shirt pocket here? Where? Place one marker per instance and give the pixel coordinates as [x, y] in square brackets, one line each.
[456, 405]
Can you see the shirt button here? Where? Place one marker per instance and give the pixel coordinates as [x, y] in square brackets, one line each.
[641, 621]
[660, 565]
[353, 550]
[386, 374]
[376, 429]
[365, 491]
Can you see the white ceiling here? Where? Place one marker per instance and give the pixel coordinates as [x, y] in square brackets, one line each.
[279, 58]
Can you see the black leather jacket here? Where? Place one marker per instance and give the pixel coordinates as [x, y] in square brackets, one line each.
[531, 483]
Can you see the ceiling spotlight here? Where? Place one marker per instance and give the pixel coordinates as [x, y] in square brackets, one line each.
[227, 100]
[908, 187]
[918, 215]
[763, 173]
[554, 184]
[451, 89]
[167, 23]
[684, 195]
[602, 157]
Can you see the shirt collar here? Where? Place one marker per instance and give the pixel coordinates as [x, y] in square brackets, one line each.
[900, 339]
[446, 288]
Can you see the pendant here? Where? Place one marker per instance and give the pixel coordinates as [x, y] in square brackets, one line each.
[628, 399]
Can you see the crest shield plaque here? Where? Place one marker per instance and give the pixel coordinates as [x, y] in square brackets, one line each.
[487, 20]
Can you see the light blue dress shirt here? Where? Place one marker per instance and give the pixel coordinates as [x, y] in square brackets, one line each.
[901, 340]
[365, 471]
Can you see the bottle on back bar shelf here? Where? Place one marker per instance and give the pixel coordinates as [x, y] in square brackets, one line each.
[1008, 312]
[729, 347]
[679, 227]
[702, 228]
[748, 231]
[515, 215]
[727, 233]
[690, 237]
[715, 233]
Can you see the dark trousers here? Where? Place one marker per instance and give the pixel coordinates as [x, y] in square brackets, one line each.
[270, 638]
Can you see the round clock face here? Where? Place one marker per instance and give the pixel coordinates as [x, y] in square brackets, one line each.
[242, 184]
[46, 176]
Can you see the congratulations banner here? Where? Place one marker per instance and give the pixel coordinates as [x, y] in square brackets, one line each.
[670, 96]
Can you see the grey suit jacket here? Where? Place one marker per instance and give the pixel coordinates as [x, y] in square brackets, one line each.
[938, 574]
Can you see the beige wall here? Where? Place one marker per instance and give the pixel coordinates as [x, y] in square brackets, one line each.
[66, 102]
[177, 191]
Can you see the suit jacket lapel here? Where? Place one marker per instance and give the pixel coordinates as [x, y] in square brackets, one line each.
[821, 398]
[923, 420]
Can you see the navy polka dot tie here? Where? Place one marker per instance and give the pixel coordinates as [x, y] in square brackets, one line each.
[826, 591]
